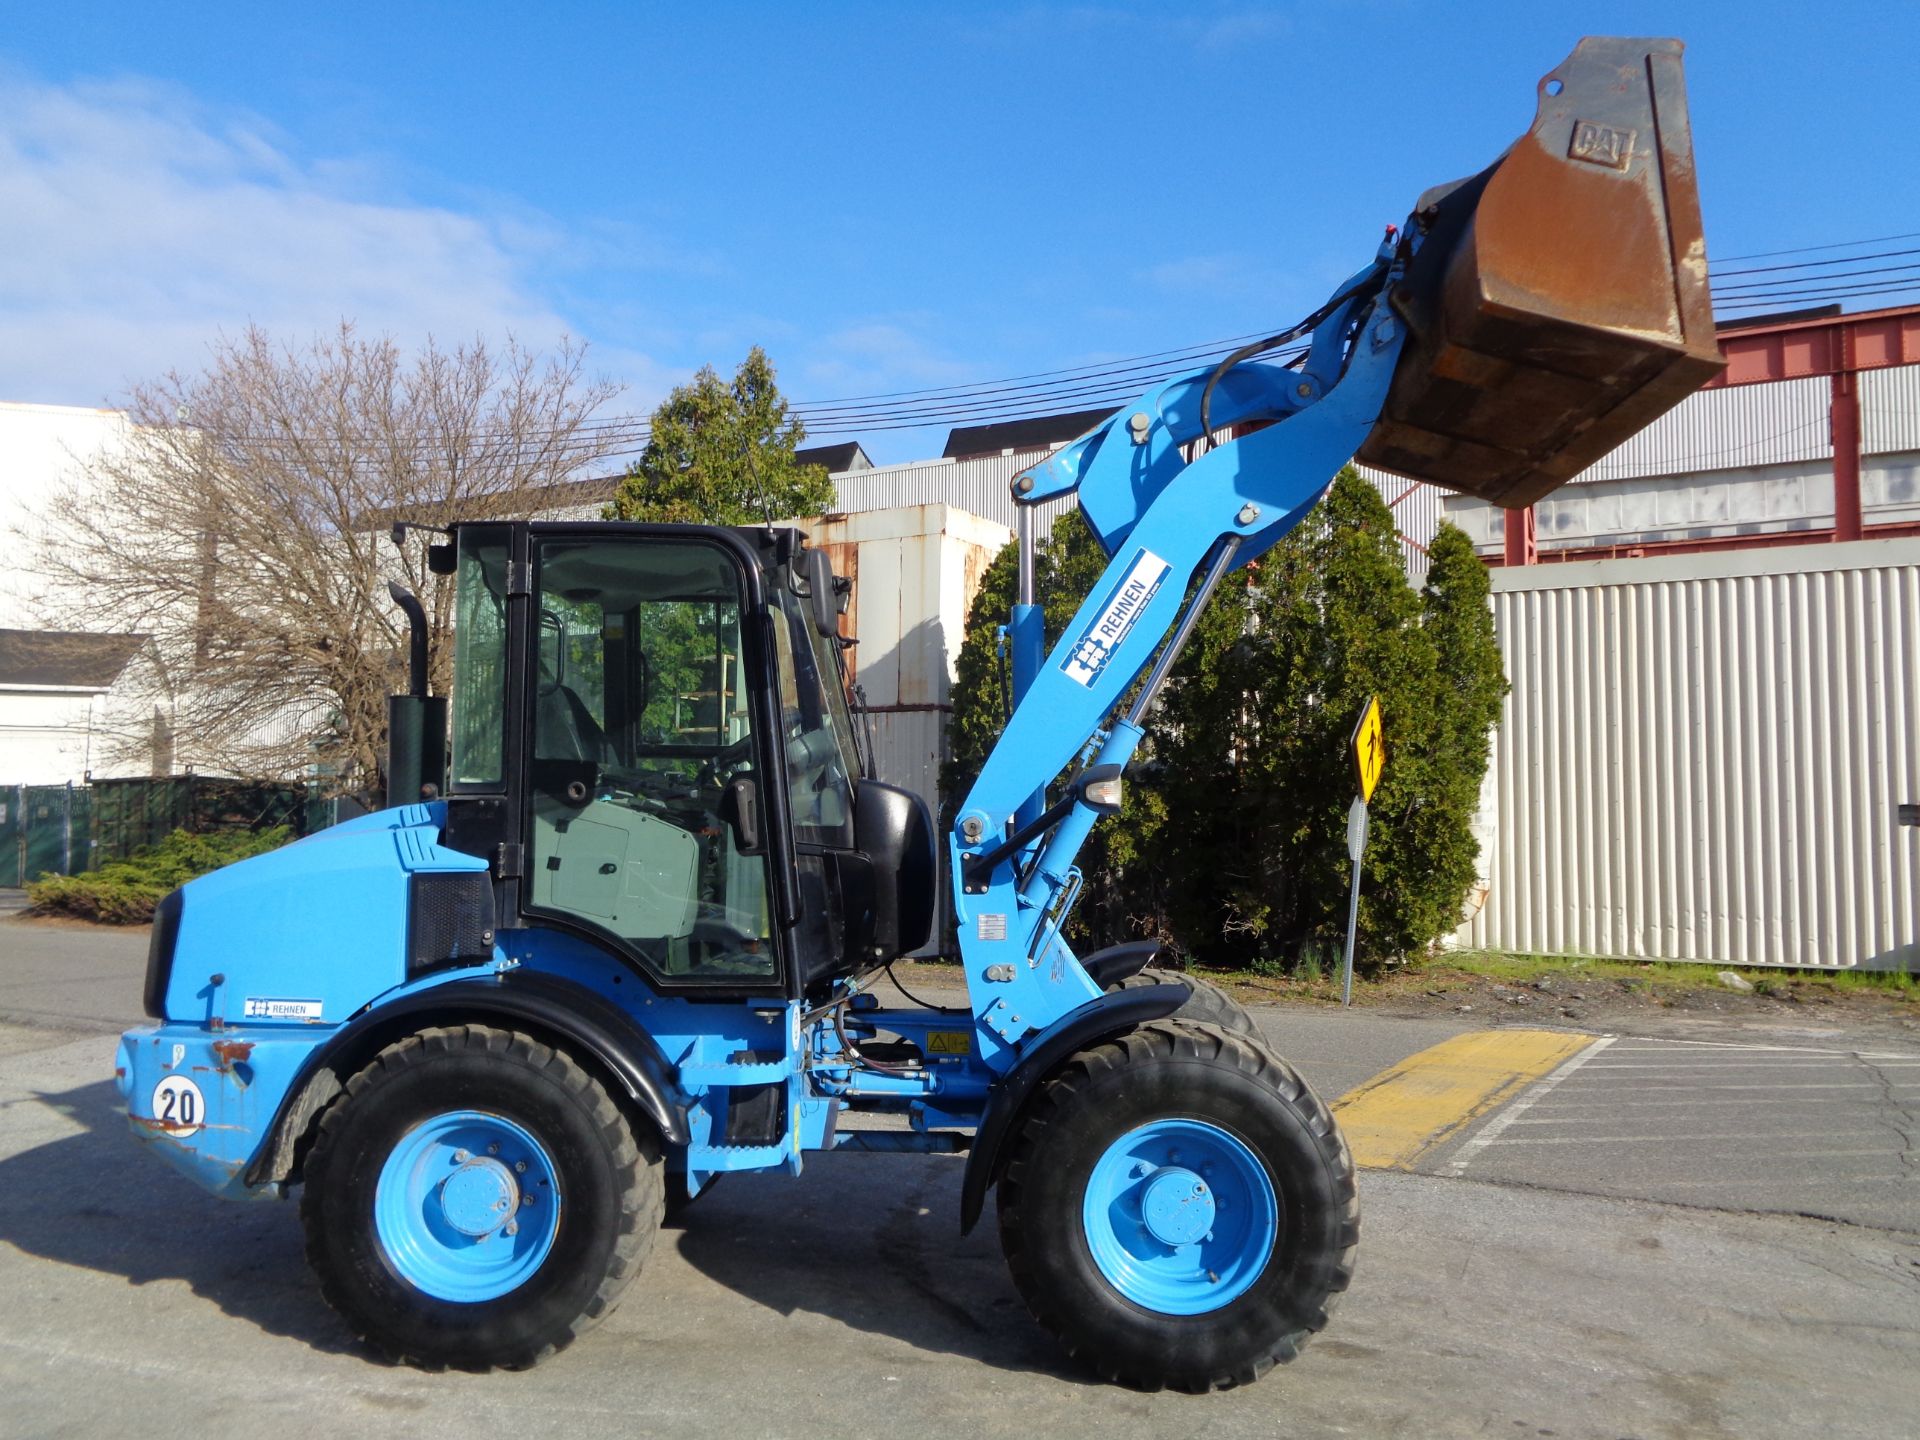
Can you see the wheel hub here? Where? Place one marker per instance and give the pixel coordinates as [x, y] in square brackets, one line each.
[479, 1197]
[1177, 1206]
[467, 1205]
[1180, 1215]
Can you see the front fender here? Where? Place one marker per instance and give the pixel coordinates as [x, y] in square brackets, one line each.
[1105, 1015]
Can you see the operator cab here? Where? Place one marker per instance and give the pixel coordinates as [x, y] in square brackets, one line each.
[651, 741]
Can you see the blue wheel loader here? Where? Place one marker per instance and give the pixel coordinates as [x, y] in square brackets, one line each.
[618, 931]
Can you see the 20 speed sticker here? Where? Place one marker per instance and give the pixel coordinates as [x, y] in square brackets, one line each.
[179, 1106]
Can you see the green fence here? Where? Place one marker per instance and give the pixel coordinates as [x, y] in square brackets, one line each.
[130, 814]
[44, 829]
[64, 829]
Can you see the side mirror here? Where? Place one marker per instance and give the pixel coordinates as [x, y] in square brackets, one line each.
[740, 808]
[818, 570]
[893, 828]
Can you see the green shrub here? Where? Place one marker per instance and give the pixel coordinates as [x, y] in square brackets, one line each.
[1234, 844]
[124, 892]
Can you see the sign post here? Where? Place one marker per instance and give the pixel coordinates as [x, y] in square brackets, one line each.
[1369, 759]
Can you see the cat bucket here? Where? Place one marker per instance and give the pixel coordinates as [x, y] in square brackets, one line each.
[1559, 303]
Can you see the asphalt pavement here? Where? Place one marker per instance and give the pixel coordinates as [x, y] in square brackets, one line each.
[1621, 1282]
[1798, 1129]
[71, 977]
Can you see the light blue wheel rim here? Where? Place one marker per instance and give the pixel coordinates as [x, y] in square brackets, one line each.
[1180, 1217]
[467, 1206]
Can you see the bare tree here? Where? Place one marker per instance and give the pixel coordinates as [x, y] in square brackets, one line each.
[244, 525]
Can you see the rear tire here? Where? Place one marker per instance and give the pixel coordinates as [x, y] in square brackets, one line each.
[1179, 1208]
[1206, 1002]
[476, 1199]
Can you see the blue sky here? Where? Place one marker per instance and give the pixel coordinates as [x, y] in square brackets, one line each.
[887, 197]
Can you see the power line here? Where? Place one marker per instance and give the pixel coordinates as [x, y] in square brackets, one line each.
[1836, 245]
[1801, 281]
[1097, 384]
[1837, 292]
[1813, 264]
[1210, 347]
[1191, 361]
[1016, 399]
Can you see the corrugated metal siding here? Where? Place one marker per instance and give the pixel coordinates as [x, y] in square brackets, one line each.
[1417, 514]
[1890, 410]
[908, 750]
[909, 746]
[1701, 759]
[1721, 429]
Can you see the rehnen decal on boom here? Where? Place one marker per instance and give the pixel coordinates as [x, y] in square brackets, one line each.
[1116, 618]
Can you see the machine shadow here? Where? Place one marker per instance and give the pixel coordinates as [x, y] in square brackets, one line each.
[91, 1200]
[872, 1241]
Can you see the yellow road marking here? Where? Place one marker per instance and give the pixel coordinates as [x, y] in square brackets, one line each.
[1404, 1112]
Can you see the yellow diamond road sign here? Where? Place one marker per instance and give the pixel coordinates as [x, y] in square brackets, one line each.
[1369, 749]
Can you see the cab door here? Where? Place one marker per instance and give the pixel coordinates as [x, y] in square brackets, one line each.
[648, 819]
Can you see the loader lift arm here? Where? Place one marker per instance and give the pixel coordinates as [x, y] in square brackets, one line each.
[1162, 519]
[1522, 323]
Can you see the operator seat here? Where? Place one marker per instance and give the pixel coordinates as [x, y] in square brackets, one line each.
[564, 729]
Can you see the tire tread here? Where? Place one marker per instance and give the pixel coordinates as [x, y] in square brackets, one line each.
[1206, 1002]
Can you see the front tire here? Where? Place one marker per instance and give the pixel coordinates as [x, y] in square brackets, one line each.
[476, 1199]
[1179, 1208]
[1206, 1002]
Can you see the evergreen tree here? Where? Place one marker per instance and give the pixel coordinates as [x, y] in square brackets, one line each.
[1233, 840]
[722, 453]
[1470, 691]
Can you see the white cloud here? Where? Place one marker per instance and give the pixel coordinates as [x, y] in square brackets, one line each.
[135, 225]
[875, 356]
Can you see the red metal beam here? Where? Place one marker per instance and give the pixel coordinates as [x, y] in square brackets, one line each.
[1804, 349]
[1641, 549]
[1838, 347]
[1521, 548]
[1844, 417]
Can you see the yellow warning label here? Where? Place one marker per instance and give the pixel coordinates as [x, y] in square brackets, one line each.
[1369, 748]
[949, 1042]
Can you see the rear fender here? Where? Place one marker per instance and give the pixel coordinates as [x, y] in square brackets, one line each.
[1109, 1014]
[558, 1010]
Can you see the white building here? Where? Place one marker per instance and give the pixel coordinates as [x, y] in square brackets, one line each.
[64, 705]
